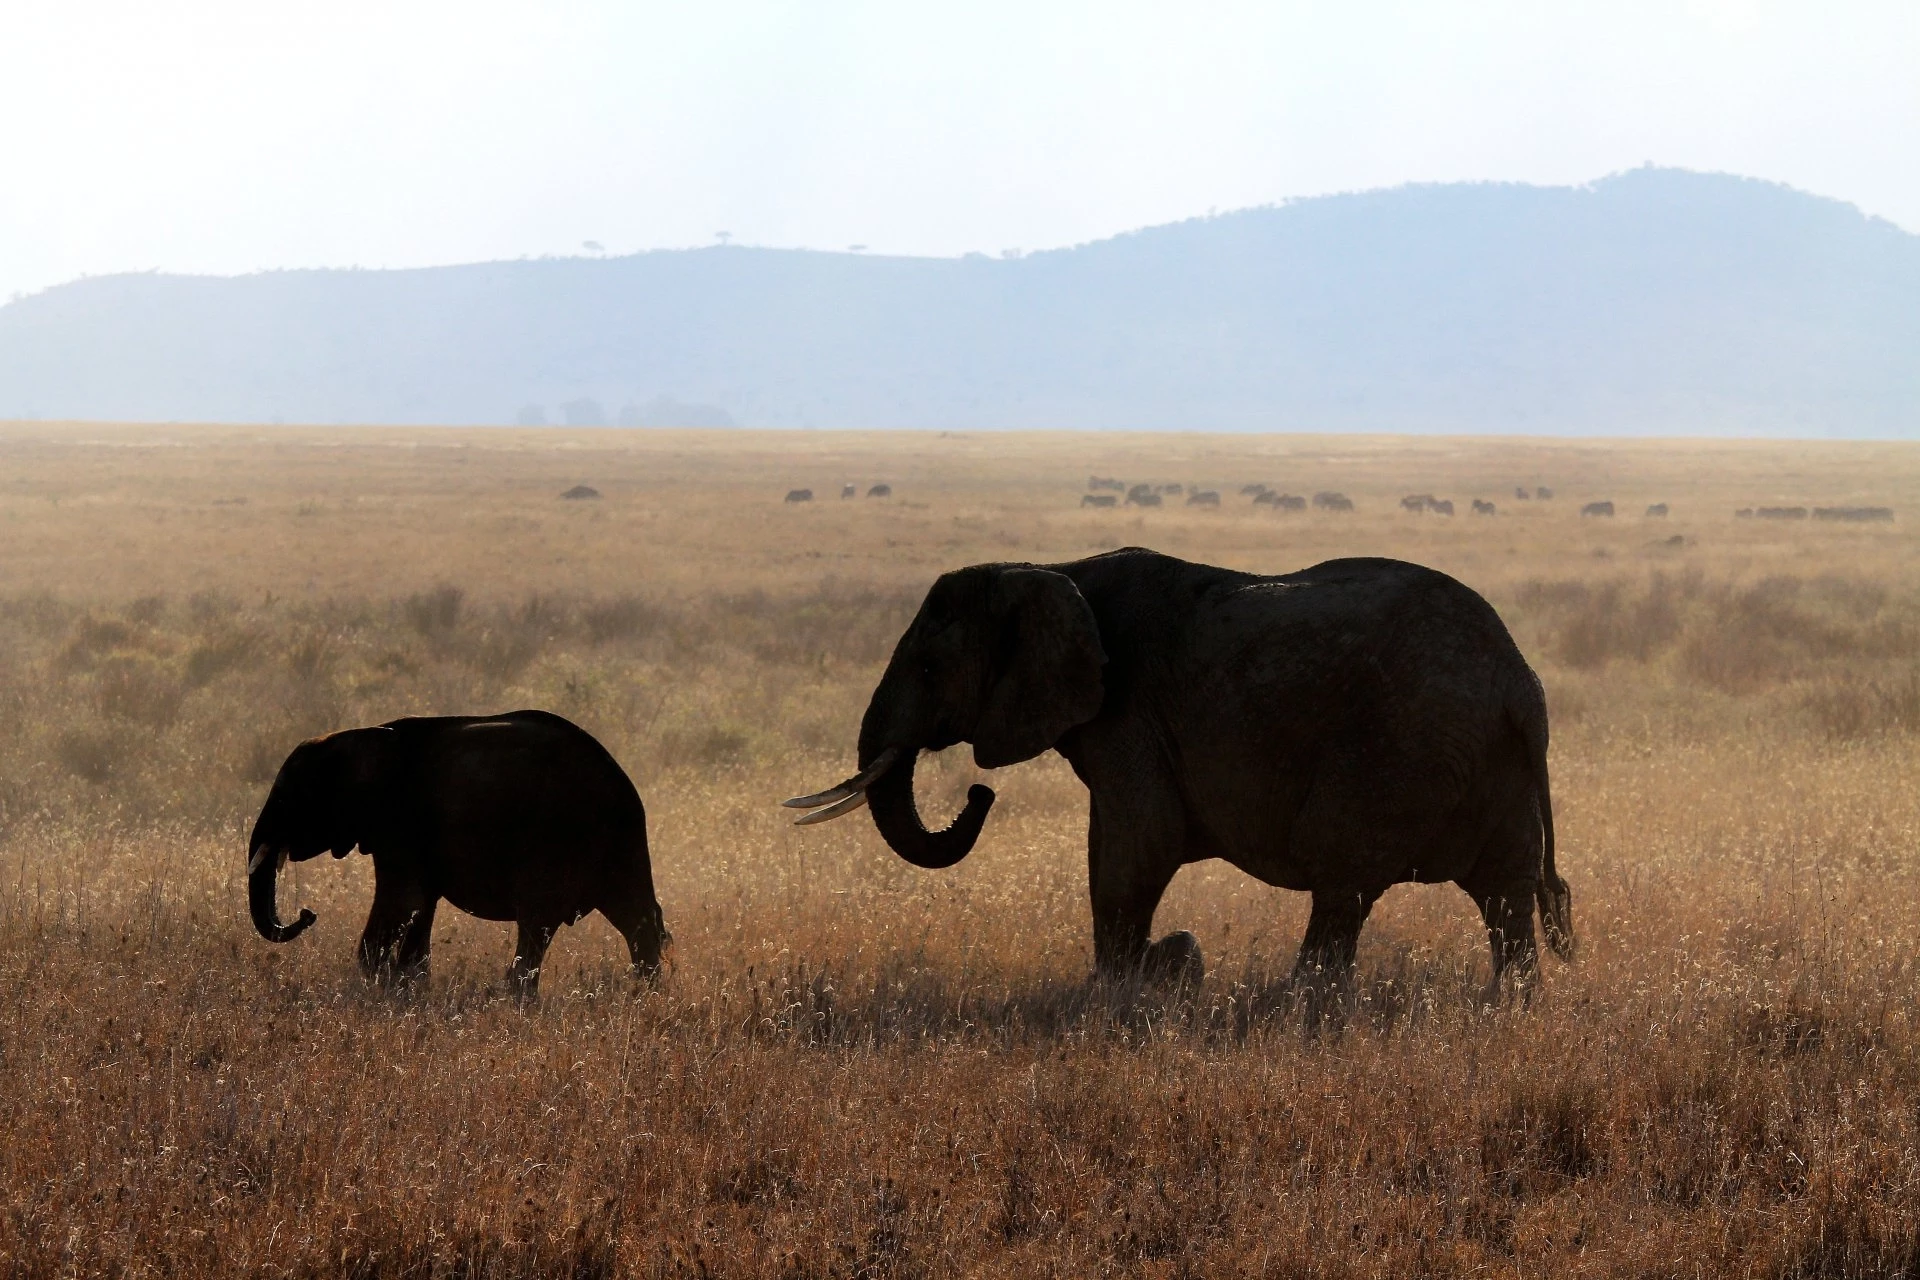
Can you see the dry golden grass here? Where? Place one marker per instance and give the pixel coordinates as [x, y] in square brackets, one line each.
[860, 1069]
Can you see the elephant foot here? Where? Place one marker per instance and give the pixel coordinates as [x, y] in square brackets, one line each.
[1175, 960]
[1516, 985]
[1322, 995]
[396, 980]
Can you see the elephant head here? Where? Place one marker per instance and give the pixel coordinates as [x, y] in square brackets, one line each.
[319, 803]
[1006, 657]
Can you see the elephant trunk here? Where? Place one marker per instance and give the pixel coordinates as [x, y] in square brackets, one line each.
[263, 876]
[901, 721]
[895, 813]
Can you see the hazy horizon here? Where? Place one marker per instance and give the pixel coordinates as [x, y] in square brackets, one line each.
[216, 138]
[1655, 301]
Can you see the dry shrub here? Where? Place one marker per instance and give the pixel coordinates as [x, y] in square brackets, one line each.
[702, 746]
[434, 612]
[41, 613]
[1850, 709]
[621, 618]
[1602, 624]
[92, 639]
[260, 762]
[501, 653]
[1734, 638]
[146, 610]
[93, 754]
[140, 689]
[221, 651]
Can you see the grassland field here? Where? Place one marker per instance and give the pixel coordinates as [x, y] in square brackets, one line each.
[855, 1068]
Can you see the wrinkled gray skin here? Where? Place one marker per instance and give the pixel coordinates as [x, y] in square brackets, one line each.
[1338, 731]
[521, 817]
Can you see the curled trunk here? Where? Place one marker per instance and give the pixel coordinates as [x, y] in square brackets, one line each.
[263, 878]
[890, 796]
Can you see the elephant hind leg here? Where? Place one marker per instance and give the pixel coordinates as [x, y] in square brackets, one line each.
[529, 953]
[1508, 912]
[410, 961]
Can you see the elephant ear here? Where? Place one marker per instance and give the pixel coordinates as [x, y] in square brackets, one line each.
[1046, 668]
[355, 762]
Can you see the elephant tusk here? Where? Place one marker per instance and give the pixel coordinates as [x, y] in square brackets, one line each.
[857, 800]
[859, 782]
[260, 856]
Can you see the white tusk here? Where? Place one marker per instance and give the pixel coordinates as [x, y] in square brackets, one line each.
[857, 783]
[831, 795]
[857, 800]
[258, 860]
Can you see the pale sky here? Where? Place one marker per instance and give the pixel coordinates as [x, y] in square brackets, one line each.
[235, 135]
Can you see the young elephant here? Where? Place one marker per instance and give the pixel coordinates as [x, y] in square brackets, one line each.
[521, 817]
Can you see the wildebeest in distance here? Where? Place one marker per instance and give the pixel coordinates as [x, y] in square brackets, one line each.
[1520, 493]
[1327, 500]
[580, 492]
[1542, 493]
[1143, 499]
[1416, 502]
[1265, 498]
[1097, 483]
[1780, 513]
[799, 495]
[1603, 509]
[1098, 500]
[1290, 502]
[1252, 490]
[849, 490]
[1658, 511]
[1482, 508]
[1853, 514]
[1203, 498]
[880, 491]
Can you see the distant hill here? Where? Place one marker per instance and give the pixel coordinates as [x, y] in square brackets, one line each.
[1655, 301]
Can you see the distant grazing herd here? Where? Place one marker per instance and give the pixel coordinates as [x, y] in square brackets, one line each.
[1106, 491]
[846, 491]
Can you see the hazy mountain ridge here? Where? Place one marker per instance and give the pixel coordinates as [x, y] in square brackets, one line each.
[1652, 301]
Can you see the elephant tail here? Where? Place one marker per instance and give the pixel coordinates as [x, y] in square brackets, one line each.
[1554, 897]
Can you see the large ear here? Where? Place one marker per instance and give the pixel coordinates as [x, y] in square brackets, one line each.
[1046, 666]
[355, 763]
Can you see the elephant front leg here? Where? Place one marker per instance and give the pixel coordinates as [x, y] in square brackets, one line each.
[638, 920]
[1128, 878]
[1333, 935]
[529, 953]
[1323, 971]
[399, 933]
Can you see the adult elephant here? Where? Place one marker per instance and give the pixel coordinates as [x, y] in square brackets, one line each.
[521, 817]
[1338, 730]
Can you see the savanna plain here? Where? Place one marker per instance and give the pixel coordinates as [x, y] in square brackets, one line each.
[855, 1068]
